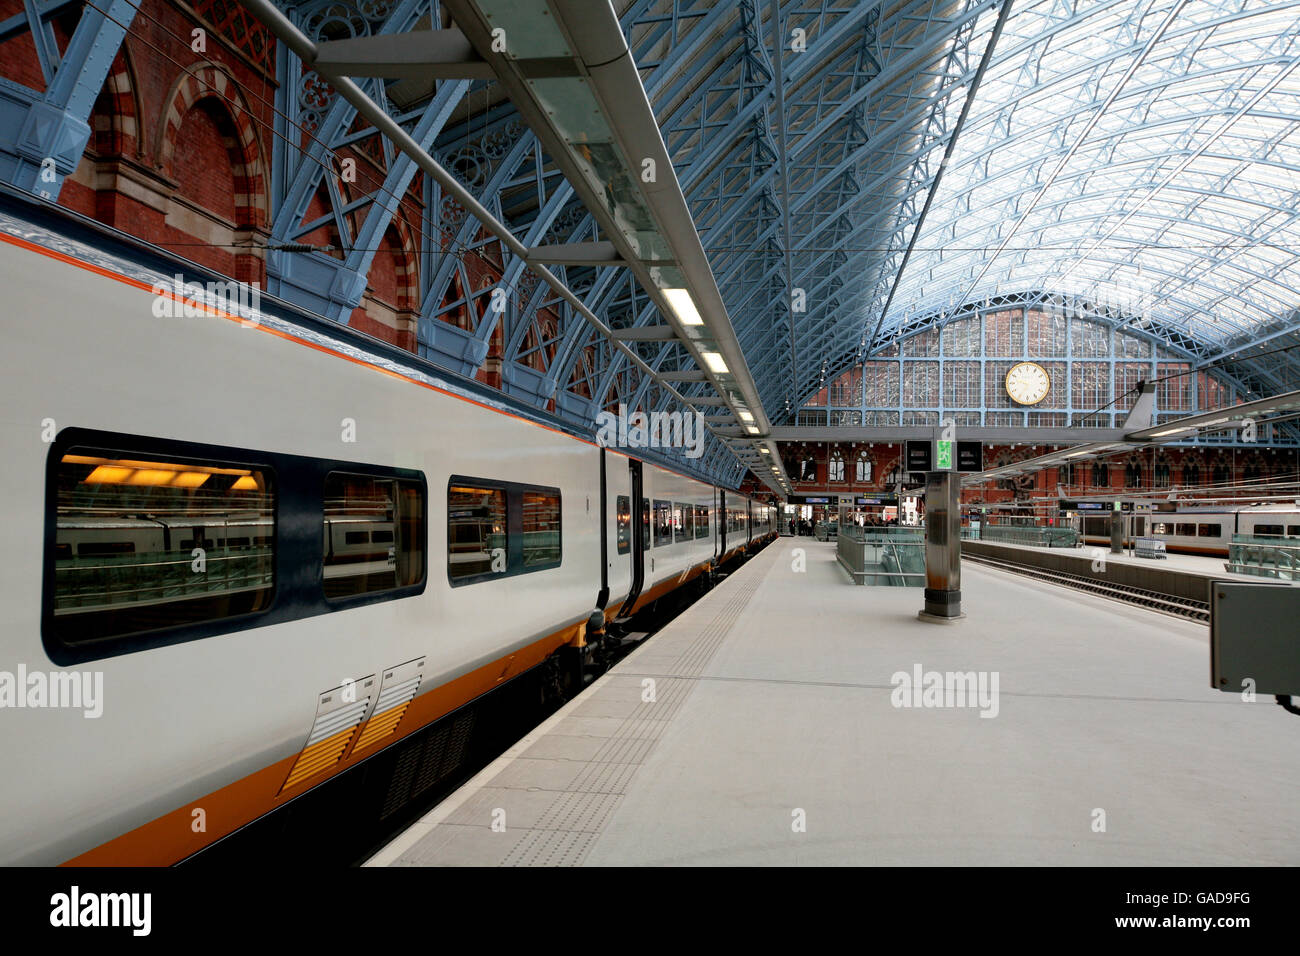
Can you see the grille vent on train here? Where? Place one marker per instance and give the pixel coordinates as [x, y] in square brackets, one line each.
[399, 687]
[337, 718]
[426, 762]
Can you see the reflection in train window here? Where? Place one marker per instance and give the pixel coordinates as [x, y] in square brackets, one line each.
[1209, 530]
[374, 534]
[701, 521]
[681, 522]
[541, 539]
[476, 531]
[1186, 530]
[142, 545]
[663, 522]
[624, 524]
[1268, 529]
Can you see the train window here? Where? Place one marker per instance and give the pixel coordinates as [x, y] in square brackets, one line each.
[681, 522]
[1209, 530]
[624, 524]
[1269, 529]
[476, 531]
[1159, 527]
[1293, 530]
[1186, 530]
[374, 534]
[645, 524]
[663, 522]
[541, 541]
[142, 545]
[701, 521]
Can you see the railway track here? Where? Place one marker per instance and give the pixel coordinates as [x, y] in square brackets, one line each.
[1186, 608]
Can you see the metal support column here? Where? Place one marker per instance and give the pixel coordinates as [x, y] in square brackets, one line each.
[942, 548]
[1117, 531]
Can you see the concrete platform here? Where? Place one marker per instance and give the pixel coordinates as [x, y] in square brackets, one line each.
[772, 704]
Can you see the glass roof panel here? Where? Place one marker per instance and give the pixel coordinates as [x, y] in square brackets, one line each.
[1188, 168]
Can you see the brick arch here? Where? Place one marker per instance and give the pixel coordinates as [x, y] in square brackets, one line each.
[1254, 467]
[406, 265]
[213, 85]
[115, 118]
[1219, 468]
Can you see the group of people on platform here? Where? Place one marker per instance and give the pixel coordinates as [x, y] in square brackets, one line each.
[805, 528]
[876, 521]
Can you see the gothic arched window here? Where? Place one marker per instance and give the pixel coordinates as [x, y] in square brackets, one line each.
[1163, 474]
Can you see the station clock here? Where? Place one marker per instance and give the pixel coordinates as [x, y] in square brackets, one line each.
[1028, 383]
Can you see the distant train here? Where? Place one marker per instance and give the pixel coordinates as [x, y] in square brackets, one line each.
[267, 599]
[1199, 529]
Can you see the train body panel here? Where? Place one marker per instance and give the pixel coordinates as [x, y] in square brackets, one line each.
[183, 721]
[675, 551]
[1204, 530]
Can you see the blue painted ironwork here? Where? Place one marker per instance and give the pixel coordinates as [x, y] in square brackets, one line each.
[43, 133]
[1175, 223]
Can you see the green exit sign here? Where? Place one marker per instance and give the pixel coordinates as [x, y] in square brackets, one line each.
[943, 455]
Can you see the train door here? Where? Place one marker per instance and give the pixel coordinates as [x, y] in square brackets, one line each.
[719, 523]
[722, 522]
[605, 565]
[639, 528]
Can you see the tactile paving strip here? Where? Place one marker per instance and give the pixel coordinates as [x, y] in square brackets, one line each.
[571, 821]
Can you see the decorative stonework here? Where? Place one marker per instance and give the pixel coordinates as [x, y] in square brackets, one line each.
[210, 80]
[231, 21]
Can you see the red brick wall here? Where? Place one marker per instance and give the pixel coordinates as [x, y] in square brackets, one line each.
[1044, 483]
[201, 167]
[173, 133]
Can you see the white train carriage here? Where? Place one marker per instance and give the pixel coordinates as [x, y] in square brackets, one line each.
[1201, 529]
[277, 573]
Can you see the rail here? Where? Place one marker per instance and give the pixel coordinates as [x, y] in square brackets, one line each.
[103, 581]
[1152, 600]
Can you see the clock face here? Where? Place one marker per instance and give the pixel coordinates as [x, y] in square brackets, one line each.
[1028, 383]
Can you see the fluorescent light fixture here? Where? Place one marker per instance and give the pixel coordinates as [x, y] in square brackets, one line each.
[752, 429]
[716, 364]
[1173, 431]
[681, 303]
[745, 416]
[1078, 454]
[765, 451]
